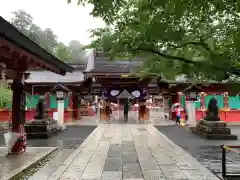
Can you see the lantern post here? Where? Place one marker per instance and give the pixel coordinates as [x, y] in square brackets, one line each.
[191, 94]
[166, 108]
[61, 93]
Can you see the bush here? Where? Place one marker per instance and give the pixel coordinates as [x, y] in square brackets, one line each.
[5, 96]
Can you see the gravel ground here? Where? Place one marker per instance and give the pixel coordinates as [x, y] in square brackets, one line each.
[208, 152]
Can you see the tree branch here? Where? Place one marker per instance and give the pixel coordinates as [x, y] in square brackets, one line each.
[201, 43]
[234, 71]
[182, 59]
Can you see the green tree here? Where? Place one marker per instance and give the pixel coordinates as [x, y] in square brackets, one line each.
[43, 37]
[48, 40]
[63, 52]
[77, 52]
[5, 96]
[198, 38]
[23, 21]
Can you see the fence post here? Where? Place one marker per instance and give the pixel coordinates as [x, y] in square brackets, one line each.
[223, 161]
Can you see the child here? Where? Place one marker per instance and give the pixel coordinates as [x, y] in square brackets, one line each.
[178, 115]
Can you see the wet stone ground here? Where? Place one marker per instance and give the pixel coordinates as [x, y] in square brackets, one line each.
[130, 152]
[208, 152]
[66, 141]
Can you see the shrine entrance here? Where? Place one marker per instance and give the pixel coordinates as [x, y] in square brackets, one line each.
[123, 100]
[119, 114]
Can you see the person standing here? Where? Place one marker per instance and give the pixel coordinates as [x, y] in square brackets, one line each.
[178, 115]
[94, 109]
[125, 111]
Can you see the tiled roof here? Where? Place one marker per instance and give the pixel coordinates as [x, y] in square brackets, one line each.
[49, 77]
[103, 64]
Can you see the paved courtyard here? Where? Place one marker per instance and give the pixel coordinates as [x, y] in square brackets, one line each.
[130, 152]
[66, 142]
[207, 152]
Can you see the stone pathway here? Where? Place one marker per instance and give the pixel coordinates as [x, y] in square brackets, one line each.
[130, 152]
[13, 164]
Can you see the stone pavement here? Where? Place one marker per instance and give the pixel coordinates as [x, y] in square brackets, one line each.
[13, 164]
[130, 152]
[207, 152]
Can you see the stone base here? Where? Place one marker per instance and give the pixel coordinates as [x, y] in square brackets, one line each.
[214, 136]
[213, 130]
[43, 128]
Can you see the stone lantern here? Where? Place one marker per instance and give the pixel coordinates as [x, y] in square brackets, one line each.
[61, 93]
[191, 93]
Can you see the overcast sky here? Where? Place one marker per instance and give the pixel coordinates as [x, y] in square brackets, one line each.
[68, 21]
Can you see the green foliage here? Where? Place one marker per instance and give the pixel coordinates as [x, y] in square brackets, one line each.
[63, 52]
[47, 39]
[198, 38]
[5, 96]
[76, 51]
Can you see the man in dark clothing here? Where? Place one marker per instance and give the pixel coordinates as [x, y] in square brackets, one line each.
[125, 111]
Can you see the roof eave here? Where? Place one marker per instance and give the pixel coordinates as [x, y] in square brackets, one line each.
[10, 33]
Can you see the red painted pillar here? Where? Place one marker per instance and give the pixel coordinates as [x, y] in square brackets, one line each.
[226, 100]
[226, 107]
[175, 99]
[17, 98]
[74, 105]
[70, 106]
[203, 107]
[202, 101]
[18, 114]
[180, 94]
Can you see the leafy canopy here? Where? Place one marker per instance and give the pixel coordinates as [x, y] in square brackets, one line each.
[47, 39]
[198, 38]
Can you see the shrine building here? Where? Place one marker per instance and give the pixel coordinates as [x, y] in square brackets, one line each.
[101, 79]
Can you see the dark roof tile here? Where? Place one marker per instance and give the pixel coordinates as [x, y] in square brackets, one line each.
[49, 77]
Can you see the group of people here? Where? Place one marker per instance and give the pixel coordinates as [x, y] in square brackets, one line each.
[109, 110]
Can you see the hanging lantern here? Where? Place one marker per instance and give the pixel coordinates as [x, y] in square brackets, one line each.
[60, 91]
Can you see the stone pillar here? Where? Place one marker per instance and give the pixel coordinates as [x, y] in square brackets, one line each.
[166, 105]
[60, 111]
[191, 108]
